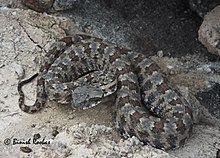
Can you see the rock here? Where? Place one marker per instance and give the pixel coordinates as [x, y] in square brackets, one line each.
[59, 5]
[202, 7]
[50, 5]
[209, 32]
[39, 5]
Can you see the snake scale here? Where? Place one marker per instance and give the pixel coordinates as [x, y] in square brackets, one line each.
[82, 69]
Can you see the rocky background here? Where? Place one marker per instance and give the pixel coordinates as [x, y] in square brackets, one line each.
[181, 36]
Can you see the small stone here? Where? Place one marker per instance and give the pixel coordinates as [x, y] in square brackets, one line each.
[55, 128]
[169, 66]
[54, 133]
[14, 13]
[129, 155]
[205, 68]
[33, 125]
[77, 135]
[36, 136]
[172, 72]
[3, 110]
[2, 65]
[26, 149]
[71, 117]
[160, 53]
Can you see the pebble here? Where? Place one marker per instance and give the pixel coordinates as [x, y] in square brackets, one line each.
[160, 53]
[2, 65]
[26, 149]
[36, 136]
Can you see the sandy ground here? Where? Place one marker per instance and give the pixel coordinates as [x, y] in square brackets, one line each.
[25, 35]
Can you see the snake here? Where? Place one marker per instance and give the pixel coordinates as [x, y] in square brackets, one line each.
[81, 70]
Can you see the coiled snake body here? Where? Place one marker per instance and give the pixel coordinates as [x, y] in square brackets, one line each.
[81, 70]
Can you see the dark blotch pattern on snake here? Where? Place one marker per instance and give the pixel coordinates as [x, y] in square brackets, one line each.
[81, 70]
